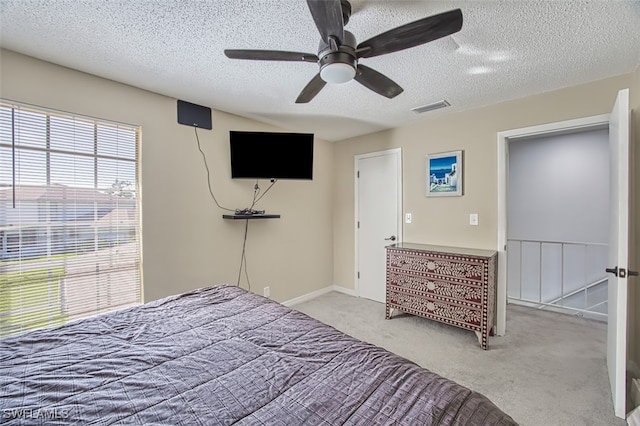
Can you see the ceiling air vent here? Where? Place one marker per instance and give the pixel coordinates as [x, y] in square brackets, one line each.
[430, 107]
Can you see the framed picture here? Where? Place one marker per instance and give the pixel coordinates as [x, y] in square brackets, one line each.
[444, 174]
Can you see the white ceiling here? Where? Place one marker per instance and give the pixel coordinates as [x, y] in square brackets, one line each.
[505, 50]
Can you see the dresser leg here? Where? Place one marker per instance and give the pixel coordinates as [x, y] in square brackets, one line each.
[388, 312]
[482, 339]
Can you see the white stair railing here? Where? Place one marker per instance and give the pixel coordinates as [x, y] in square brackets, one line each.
[563, 276]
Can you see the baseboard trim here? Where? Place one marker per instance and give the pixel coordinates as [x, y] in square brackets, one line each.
[308, 296]
[317, 293]
[344, 290]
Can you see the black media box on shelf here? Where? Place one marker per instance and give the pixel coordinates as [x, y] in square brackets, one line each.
[251, 216]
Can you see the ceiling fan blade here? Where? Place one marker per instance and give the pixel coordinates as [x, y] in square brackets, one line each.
[270, 55]
[377, 82]
[311, 89]
[327, 14]
[412, 34]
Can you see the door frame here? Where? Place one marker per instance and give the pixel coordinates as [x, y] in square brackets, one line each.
[595, 122]
[397, 152]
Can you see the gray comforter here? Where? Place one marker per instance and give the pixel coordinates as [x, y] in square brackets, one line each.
[221, 356]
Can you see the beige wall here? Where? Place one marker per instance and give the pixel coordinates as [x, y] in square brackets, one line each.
[446, 220]
[186, 243]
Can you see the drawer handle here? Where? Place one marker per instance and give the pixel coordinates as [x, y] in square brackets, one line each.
[391, 238]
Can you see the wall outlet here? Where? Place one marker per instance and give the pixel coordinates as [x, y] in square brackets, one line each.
[407, 218]
[267, 291]
[473, 219]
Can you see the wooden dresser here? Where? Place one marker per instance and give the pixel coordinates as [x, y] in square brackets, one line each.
[452, 285]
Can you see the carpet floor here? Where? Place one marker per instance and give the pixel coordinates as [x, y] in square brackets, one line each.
[548, 369]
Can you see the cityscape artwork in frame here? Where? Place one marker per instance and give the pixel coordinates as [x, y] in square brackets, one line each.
[444, 174]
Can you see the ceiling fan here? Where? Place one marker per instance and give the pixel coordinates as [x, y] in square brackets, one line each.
[338, 54]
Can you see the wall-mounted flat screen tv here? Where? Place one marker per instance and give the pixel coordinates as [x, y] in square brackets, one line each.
[271, 155]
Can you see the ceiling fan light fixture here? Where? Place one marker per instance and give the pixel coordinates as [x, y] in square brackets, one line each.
[337, 73]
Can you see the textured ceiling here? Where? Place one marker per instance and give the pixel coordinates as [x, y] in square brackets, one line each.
[505, 50]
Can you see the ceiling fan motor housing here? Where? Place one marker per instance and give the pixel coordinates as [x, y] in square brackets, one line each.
[332, 60]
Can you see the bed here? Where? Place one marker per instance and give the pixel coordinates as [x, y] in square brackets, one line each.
[220, 356]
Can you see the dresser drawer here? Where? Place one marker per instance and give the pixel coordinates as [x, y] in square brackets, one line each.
[438, 265]
[424, 284]
[466, 315]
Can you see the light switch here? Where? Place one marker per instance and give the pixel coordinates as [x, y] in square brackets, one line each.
[473, 219]
[407, 217]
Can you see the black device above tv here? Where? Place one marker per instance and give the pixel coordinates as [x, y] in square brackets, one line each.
[194, 115]
[271, 155]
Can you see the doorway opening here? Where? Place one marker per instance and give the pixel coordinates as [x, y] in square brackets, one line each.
[594, 123]
[558, 222]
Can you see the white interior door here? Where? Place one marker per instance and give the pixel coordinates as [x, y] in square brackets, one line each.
[618, 250]
[378, 212]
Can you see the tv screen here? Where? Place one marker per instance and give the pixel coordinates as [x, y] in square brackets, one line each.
[271, 155]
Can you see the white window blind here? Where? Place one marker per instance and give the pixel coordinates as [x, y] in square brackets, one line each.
[69, 217]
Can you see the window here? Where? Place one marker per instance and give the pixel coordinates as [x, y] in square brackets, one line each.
[69, 217]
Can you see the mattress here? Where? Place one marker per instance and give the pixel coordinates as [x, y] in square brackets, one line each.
[221, 356]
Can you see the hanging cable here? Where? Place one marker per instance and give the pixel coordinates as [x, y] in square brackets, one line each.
[204, 158]
[256, 191]
[273, 182]
[243, 257]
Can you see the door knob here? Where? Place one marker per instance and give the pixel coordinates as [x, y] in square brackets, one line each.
[613, 270]
[392, 238]
[622, 273]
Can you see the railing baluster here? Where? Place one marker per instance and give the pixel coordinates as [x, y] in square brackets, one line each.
[562, 274]
[520, 267]
[584, 284]
[540, 272]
